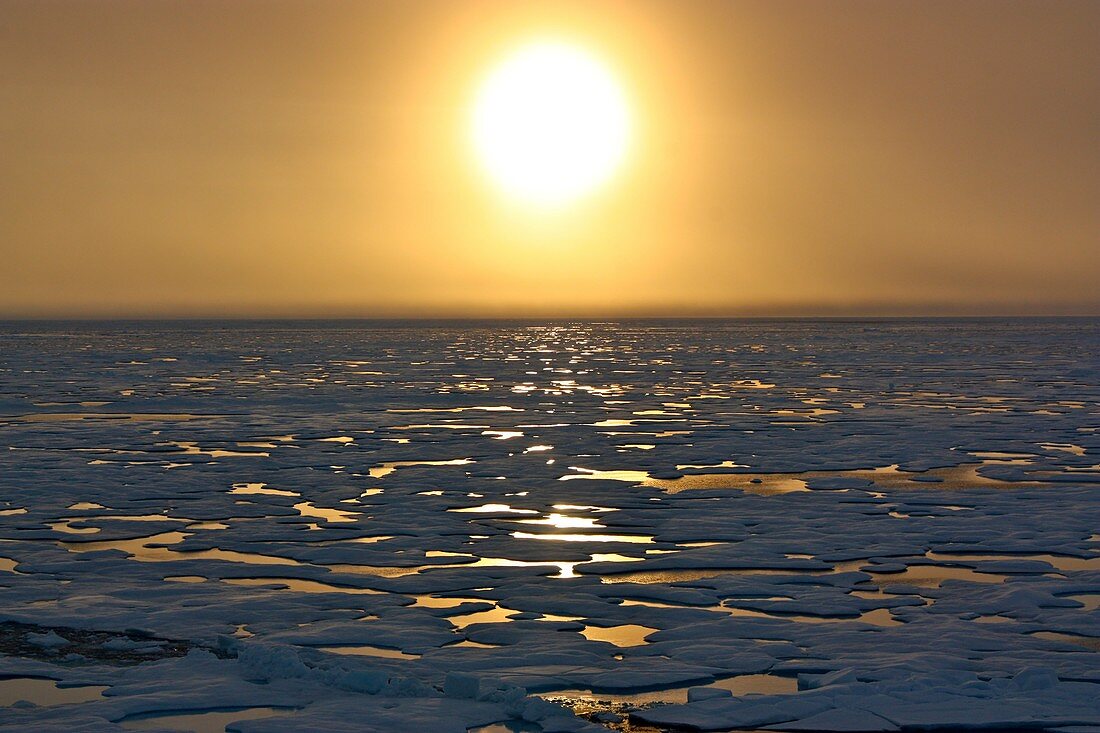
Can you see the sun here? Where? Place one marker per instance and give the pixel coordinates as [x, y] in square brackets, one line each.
[550, 124]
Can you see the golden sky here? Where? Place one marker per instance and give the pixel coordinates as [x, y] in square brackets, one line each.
[312, 158]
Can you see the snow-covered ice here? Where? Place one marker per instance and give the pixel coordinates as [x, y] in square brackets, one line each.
[789, 525]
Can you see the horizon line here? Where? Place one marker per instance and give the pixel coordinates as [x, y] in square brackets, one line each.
[298, 311]
[230, 318]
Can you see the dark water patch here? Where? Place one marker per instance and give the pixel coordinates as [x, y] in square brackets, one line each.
[83, 646]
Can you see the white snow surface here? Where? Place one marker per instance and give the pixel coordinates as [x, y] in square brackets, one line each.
[424, 526]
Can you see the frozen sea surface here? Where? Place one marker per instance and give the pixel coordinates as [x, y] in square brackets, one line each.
[722, 525]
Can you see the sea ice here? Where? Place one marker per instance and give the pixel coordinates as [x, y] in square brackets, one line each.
[897, 519]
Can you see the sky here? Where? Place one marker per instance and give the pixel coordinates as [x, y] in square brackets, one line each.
[313, 158]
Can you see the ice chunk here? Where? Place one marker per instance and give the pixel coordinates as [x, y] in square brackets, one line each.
[461, 685]
[839, 720]
[706, 693]
[49, 640]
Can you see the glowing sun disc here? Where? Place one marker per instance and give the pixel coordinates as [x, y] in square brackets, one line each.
[550, 124]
